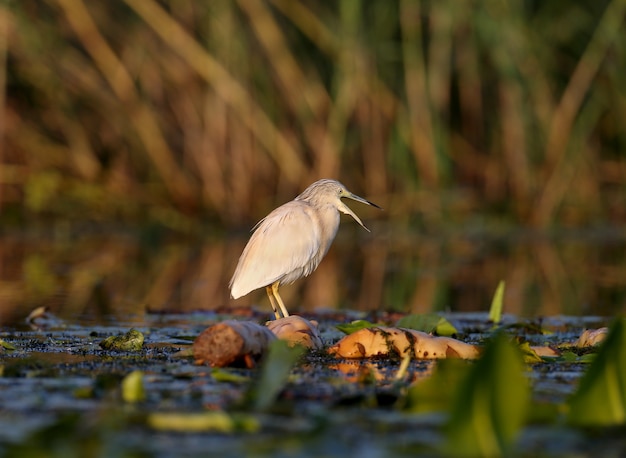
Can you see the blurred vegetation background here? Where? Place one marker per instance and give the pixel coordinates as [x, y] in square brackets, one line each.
[187, 114]
[178, 110]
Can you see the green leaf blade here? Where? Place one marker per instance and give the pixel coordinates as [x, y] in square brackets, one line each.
[600, 399]
[274, 373]
[490, 407]
[354, 326]
[428, 322]
[497, 304]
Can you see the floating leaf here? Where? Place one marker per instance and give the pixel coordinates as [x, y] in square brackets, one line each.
[132, 387]
[297, 331]
[221, 375]
[274, 373]
[587, 358]
[232, 343]
[131, 341]
[529, 354]
[398, 342]
[601, 397]
[6, 345]
[572, 357]
[217, 421]
[495, 311]
[490, 406]
[591, 337]
[354, 326]
[428, 322]
[569, 357]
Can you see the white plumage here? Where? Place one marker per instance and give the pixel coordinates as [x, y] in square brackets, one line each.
[291, 241]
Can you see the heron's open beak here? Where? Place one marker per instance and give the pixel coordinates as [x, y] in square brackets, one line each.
[362, 200]
[345, 209]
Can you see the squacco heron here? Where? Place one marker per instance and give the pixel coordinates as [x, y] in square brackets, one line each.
[290, 242]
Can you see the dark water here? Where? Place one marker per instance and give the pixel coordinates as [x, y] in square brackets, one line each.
[60, 395]
[60, 392]
[125, 274]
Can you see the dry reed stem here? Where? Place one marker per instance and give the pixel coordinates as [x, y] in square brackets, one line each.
[4, 45]
[423, 298]
[375, 140]
[169, 267]
[304, 94]
[83, 157]
[372, 279]
[347, 87]
[490, 108]
[439, 71]
[285, 155]
[309, 24]
[552, 270]
[606, 32]
[418, 100]
[514, 145]
[371, 89]
[122, 85]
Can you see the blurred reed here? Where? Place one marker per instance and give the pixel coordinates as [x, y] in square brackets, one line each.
[101, 277]
[179, 111]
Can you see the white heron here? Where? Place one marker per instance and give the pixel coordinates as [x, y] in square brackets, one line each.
[290, 242]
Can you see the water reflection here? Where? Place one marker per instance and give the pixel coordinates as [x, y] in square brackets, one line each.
[117, 275]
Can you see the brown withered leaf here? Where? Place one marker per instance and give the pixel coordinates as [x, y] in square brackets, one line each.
[592, 337]
[386, 341]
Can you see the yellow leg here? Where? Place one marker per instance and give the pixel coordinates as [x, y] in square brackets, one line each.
[279, 299]
[270, 294]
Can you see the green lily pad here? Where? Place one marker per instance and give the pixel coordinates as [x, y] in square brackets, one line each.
[133, 388]
[6, 345]
[428, 322]
[354, 326]
[529, 355]
[131, 341]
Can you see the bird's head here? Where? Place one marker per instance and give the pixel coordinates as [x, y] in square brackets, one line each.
[330, 192]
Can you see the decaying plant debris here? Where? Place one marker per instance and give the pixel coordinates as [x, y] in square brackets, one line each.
[131, 341]
[386, 341]
[592, 337]
[378, 400]
[232, 342]
[297, 331]
[242, 342]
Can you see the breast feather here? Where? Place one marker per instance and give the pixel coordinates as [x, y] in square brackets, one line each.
[283, 247]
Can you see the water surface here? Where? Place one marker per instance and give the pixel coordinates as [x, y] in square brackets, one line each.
[127, 274]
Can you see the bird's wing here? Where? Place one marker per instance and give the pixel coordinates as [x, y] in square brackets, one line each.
[284, 241]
